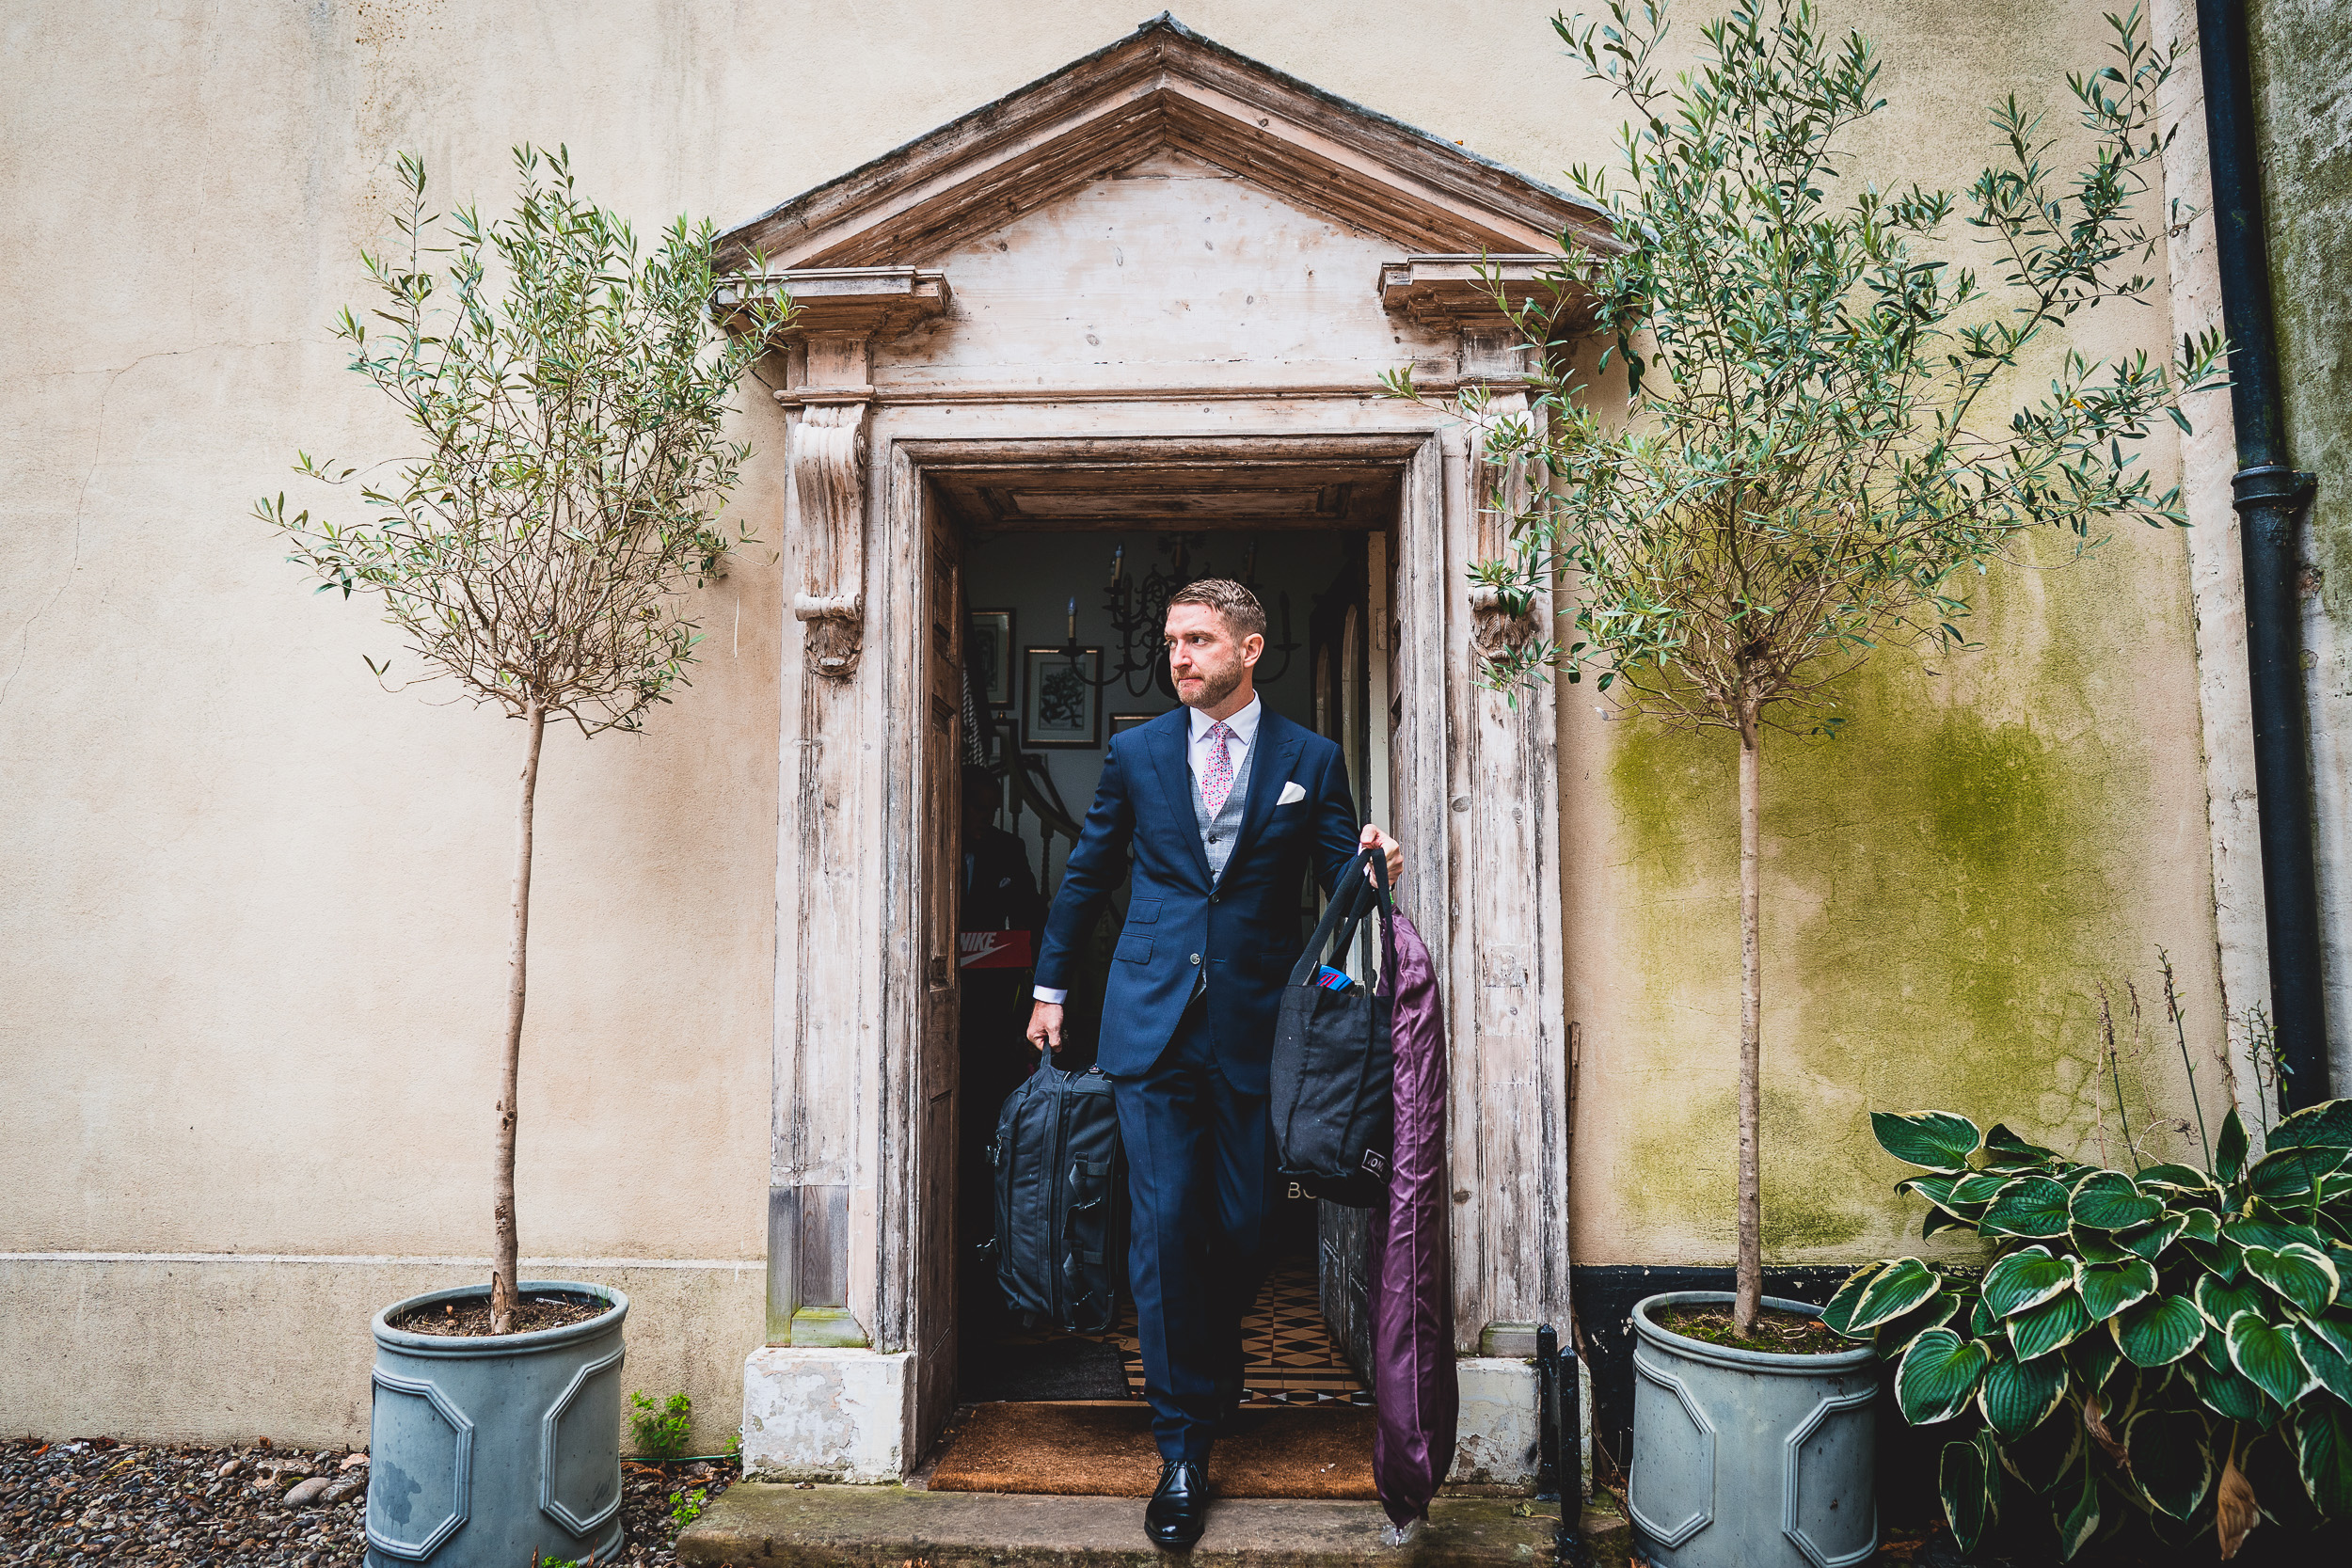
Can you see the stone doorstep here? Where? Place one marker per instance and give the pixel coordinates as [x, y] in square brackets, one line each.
[757, 1524]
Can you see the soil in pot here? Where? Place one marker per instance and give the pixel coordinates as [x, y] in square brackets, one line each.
[535, 1311]
[1780, 1333]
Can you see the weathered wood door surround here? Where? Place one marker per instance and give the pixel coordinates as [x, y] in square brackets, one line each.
[1171, 273]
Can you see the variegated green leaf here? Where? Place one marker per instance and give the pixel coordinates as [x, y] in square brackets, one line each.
[2005, 1150]
[2039, 1330]
[2095, 1356]
[2327, 1125]
[2185, 1179]
[2016, 1396]
[2159, 1331]
[2323, 1455]
[2224, 1392]
[2092, 1247]
[2150, 1240]
[2264, 1356]
[2223, 1260]
[2078, 1513]
[1937, 1376]
[1969, 1482]
[1839, 1314]
[2228, 1154]
[2305, 1275]
[2030, 1206]
[2109, 1288]
[2263, 1229]
[2200, 1225]
[1981, 1323]
[1903, 1285]
[2110, 1200]
[2334, 1327]
[2286, 1176]
[2171, 1458]
[2220, 1302]
[1935, 1221]
[2330, 1366]
[1938, 1309]
[1978, 1186]
[1935, 1139]
[2026, 1278]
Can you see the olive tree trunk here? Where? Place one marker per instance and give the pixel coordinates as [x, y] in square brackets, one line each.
[1748, 1286]
[505, 1281]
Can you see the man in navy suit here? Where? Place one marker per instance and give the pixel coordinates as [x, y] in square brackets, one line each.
[1225, 805]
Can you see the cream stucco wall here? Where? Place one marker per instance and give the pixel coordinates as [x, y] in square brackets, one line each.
[253, 922]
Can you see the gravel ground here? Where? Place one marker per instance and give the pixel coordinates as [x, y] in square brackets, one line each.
[256, 1506]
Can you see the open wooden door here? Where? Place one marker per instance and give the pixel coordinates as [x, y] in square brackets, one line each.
[941, 751]
[1338, 647]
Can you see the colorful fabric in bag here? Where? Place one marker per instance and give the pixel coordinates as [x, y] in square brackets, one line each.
[1414, 1379]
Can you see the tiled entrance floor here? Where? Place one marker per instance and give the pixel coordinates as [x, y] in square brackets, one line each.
[1290, 1358]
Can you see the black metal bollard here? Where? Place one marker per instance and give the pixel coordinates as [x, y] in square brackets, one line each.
[1559, 1457]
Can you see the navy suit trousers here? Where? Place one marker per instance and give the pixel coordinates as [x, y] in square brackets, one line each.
[1200, 1167]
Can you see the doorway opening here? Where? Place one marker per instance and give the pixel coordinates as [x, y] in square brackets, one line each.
[1060, 651]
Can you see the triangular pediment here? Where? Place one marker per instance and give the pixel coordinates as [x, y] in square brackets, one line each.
[1164, 86]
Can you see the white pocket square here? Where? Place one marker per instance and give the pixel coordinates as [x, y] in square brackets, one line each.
[1291, 792]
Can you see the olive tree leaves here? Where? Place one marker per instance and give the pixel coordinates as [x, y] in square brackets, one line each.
[2132, 1335]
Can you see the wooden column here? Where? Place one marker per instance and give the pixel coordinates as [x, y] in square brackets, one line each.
[1477, 778]
[827, 1211]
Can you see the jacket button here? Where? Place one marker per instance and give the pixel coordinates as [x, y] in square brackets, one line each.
[1195, 958]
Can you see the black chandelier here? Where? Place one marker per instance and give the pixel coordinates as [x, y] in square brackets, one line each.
[1139, 616]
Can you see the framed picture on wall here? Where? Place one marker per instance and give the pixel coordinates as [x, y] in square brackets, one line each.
[989, 649]
[1122, 723]
[1060, 705]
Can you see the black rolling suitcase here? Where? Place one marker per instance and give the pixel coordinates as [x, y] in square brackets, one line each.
[1061, 1202]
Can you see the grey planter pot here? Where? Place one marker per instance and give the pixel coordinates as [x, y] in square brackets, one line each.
[1745, 1459]
[483, 1452]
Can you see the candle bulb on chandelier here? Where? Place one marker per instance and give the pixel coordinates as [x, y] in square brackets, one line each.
[1073, 619]
[1119, 557]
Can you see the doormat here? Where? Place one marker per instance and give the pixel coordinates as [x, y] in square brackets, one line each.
[1069, 1367]
[1106, 1450]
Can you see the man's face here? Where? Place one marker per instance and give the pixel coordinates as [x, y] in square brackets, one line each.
[1208, 662]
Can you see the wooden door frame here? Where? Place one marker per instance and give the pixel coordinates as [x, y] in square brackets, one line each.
[1486, 803]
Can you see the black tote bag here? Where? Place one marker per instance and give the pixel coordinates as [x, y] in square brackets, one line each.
[1332, 1078]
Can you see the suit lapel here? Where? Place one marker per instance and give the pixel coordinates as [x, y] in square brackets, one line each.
[1269, 771]
[1167, 737]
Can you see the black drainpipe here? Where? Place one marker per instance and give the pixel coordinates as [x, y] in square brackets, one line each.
[2270, 496]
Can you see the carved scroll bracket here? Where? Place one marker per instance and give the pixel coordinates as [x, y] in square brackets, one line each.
[829, 483]
[839, 315]
[1489, 496]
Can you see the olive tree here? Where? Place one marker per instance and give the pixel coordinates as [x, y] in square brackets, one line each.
[1835, 431]
[568, 393]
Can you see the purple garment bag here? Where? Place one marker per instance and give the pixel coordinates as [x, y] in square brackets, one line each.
[1411, 1258]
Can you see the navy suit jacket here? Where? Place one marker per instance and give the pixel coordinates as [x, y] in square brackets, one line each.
[1244, 931]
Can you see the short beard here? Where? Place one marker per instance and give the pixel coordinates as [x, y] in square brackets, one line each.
[1215, 691]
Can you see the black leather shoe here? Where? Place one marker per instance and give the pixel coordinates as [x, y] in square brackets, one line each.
[1179, 1511]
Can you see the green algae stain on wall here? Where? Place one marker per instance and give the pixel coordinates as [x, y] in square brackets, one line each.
[1940, 898]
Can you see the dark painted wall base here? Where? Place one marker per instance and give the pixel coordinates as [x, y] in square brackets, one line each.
[1604, 1297]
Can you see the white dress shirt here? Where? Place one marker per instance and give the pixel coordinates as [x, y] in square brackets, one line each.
[1244, 726]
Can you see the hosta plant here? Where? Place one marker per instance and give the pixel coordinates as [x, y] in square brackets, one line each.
[2167, 1345]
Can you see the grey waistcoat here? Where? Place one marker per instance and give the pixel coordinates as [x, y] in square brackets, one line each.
[1218, 832]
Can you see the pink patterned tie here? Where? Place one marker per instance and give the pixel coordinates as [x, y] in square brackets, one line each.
[1216, 775]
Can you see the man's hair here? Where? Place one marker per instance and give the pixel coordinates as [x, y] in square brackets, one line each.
[1238, 605]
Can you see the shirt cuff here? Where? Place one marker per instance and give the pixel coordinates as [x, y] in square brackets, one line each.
[1047, 994]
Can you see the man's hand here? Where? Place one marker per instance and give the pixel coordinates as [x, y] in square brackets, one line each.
[1373, 835]
[1045, 1027]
